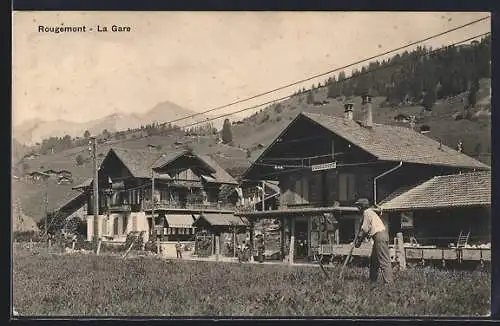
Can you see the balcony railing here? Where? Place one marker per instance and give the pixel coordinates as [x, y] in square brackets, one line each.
[165, 204]
[120, 208]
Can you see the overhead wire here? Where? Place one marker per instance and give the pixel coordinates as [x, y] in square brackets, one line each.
[337, 82]
[400, 62]
[330, 71]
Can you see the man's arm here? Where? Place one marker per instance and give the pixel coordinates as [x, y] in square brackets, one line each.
[363, 231]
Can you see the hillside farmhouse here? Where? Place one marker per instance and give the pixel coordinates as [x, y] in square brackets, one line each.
[324, 164]
[37, 176]
[185, 186]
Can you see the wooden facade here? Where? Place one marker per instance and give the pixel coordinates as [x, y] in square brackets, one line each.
[183, 186]
[318, 168]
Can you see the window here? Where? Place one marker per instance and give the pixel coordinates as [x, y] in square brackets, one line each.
[316, 188]
[125, 222]
[331, 187]
[301, 190]
[347, 187]
[134, 222]
[105, 226]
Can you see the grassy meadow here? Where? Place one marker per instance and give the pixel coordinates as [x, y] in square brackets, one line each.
[89, 285]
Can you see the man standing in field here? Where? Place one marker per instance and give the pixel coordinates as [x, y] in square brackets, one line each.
[372, 227]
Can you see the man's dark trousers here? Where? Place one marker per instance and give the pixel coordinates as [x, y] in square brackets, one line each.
[381, 258]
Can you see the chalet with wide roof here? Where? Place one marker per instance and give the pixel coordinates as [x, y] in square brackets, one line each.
[185, 185]
[324, 163]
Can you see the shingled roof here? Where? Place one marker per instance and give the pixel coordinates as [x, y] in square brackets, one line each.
[456, 190]
[140, 163]
[220, 174]
[394, 143]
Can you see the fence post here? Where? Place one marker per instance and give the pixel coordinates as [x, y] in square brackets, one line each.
[73, 245]
[292, 242]
[400, 251]
[98, 246]
[217, 247]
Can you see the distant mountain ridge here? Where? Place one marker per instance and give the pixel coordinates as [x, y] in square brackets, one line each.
[34, 130]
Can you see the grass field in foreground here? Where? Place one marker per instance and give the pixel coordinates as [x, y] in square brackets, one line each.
[109, 286]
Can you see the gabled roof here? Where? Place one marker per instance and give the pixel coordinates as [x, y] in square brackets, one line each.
[217, 172]
[168, 158]
[220, 174]
[456, 190]
[138, 162]
[394, 143]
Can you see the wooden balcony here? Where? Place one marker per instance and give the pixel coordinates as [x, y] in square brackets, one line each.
[120, 208]
[165, 204]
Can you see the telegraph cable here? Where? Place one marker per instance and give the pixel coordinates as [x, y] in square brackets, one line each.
[338, 82]
[330, 71]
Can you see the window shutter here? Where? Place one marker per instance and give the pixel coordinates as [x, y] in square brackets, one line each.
[134, 223]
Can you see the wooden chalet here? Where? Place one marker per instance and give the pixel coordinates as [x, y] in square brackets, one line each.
[185, 184]
[37, 176]
[220, 226]
[460, 202]
[325, 163]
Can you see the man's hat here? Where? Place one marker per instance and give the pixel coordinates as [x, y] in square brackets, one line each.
[362, 202]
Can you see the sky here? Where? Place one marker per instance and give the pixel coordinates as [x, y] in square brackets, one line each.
[198, 60]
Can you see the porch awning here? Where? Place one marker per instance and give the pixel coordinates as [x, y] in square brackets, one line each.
[163, 176]
[179, 221]
[208, 178]
[223, 220]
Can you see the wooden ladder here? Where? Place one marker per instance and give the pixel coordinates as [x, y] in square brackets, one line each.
[463, 238]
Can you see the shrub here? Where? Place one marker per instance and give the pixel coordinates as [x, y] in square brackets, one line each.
[79, 159]
[26, 236]
[150, 246]
[265, 118]
[425, 128]
[134, 237]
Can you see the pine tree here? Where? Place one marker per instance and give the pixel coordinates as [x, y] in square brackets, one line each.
[310, 97]
[227, 135]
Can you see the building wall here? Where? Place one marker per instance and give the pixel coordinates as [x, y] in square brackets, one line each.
[444, 226]
[126, 223]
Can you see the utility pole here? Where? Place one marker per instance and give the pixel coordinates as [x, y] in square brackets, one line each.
[263, 196]
[153, 222]
[46, 202]
[93, 149]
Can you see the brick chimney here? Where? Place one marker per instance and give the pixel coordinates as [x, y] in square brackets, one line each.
[348, 111]
[367, 105]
